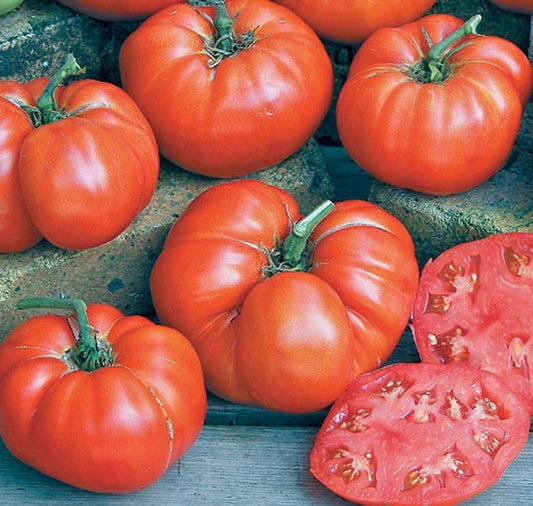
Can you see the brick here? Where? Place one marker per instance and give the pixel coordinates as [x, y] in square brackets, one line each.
[502, 204]
[118, 272]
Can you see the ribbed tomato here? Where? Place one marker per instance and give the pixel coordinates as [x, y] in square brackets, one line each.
[118, 10]
[96, 399]
[278, 318]
[231, 91]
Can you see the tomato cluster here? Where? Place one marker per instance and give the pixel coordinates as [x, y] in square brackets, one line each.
[258, 303]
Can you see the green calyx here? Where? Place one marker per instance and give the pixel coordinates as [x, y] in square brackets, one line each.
[434, 68]
[225, 42]
[46, 110]
[89, 352]
[294, 253]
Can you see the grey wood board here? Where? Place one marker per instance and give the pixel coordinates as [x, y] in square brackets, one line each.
[234, 465]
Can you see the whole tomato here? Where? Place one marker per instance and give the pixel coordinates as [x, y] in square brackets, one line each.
[79, 162]
[118, 10]
[228, 91]
[523, 6]
[439, 119]
[8, 5]
[96, 399]
[280, 318]
[350, 22]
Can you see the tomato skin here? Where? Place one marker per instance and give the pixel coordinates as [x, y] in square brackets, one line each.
[522, 6]
[463, 311]
[116, 429]
[417, 434]
[257, 335]
[249, 112]
[118, 10]
[437, 138]
[79, 181]
[350, 22]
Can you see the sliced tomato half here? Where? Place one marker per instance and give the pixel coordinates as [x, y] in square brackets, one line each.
[474, 305]
[419, 434]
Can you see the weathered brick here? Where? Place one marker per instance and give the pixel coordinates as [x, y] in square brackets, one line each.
[118, 272]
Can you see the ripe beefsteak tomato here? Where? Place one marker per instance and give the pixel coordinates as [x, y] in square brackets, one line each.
[350, 22]
[419, 434]
[474, 306]
[278, 318]
[228, 91]
[98, 400]
[118, 10]
[78, 162]
[523, 6]
[440, 119]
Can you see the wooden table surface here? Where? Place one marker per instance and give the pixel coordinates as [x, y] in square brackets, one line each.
[248, 455]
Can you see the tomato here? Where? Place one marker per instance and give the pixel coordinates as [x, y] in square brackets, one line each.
[278, 318]
[118, 10]
[8, 5]
[79, 162]
[419, 434]
[440, 120]
[96, 399]
[350, 22]
[228, 111]
[474, 306]
[523, 6]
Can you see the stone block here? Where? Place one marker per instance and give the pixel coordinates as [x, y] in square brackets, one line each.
[118, 272]
[502, 204]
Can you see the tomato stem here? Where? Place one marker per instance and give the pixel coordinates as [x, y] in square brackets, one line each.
[295, 244]
[433, 68]
[46, 102]
[88, 353]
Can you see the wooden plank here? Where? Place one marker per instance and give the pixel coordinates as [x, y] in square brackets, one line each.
[237, 466]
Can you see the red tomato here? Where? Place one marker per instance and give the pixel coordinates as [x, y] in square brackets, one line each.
[437, 121]
[118, 10]
[78, 162]
[419, 434]
[475, 306]
[279, 320]
[101, 401]
[524, 6]
[349, 21]
[228, 111]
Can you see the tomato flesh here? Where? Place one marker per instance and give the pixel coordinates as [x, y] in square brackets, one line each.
[474, 306]
[419, 434]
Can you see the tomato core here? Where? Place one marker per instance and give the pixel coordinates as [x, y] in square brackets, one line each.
[434, 67]
[90, 352]
[225, 42]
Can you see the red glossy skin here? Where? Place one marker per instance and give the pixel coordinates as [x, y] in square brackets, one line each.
[292, 341]
[116, 429]
[473, 307]
[418, 434]
[79, 181]
[433, 137]
[249, 112]
[523, 6]
[118, 10]
[350, 22]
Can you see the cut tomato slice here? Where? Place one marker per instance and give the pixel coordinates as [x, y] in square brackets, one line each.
[474, 305]
[419, 433]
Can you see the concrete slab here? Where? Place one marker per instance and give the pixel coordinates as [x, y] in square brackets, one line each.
[118, 272]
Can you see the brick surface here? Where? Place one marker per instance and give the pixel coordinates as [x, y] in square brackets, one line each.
[118, 272]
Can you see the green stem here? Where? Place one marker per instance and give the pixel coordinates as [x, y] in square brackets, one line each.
[296, 242]
[224, 26]
[436, 52]
[46, 102]
[87, 352]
